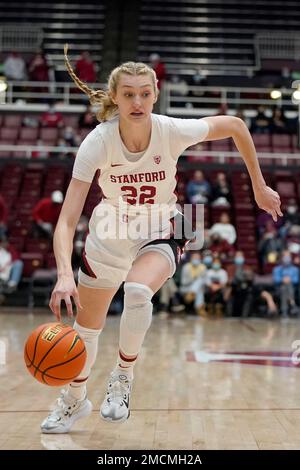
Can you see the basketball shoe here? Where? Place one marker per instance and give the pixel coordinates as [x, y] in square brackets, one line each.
[66, 412]
[115, 407]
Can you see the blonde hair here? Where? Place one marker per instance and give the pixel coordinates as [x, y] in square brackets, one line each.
[108, 109]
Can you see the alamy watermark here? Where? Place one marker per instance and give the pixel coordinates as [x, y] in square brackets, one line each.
[3, 351]
[142, 222]
[296, 354]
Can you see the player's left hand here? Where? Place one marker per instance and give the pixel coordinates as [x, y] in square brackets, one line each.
[268, 200]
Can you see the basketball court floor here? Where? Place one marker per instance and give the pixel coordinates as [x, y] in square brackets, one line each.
[199, 384]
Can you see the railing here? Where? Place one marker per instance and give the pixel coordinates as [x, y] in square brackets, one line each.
[279, 45]
[21, 38]
[222, 156]
[181, 99]
[176, 99]
[44, 92]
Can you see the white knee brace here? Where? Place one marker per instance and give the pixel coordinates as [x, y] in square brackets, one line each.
[136, 317]
[137, 306]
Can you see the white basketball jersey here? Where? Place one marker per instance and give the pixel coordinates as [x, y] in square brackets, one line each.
[149, 182]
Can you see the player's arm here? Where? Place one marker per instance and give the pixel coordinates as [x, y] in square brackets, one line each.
[67, 223]
[222, 127]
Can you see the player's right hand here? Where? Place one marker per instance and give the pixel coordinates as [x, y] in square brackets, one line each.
[64, 289]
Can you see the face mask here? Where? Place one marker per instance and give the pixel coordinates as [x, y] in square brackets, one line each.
[239, 260]
[286, 259]
[195, 262]
[292, 210]
[207, 260]
[216, 266]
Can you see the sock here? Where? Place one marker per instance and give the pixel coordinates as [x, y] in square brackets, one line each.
[77, 388]
[135, 321]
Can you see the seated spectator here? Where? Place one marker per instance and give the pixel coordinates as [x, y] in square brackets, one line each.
[45, 215]
[286, 280]
[220, 247]
[38, 68]
[216, 281]
[270, 245]
[221, 190]
[264, 220]
[85, 68]
[198, 188]
[169, 299]
[3, 216]
[225, 229]
[11, 268]
[192, 282]
[260, 123]
[14, 67]
[291, 218]
[244, 296]
[52, 118]
[70, 136]
[88, 119]
[278, 124]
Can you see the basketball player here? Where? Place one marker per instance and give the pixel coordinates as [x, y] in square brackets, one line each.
[135, 152]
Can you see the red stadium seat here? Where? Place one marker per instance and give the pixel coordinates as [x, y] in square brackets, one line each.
[32, 261]
[12, 120]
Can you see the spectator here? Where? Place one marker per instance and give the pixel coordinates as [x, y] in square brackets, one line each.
[225, 229]
[220, 247]
[85, 68]
[159, 68]
[70, 136]
[45, 215]
[15, 67]
[52, 118]
[244, 295]
[221, 190]
[38, 68]
[291, 218]
[269, 246]
[192, 282]
[286, 280]
[169, 299]
[88, 119]
[260, 123]
[278, 123]
[216, 280]
[198, 188]
[3, 216]
[11, 268]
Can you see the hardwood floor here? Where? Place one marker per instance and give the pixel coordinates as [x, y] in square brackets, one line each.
[199, 384]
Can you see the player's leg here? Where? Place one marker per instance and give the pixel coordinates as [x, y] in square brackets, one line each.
[73, 403]
[148, 273]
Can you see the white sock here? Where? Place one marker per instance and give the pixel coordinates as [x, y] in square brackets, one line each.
[77, 388]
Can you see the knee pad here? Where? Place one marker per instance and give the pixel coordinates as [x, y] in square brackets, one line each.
[137, 306]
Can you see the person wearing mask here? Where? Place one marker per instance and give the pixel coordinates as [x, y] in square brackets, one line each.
[216, 281]
[244, 296]
[286, 279]
[192, 283]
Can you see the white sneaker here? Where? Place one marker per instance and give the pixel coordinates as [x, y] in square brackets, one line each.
[115, 407]
[66, 412]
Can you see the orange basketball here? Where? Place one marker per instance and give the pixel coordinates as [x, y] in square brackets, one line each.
[54, 354]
